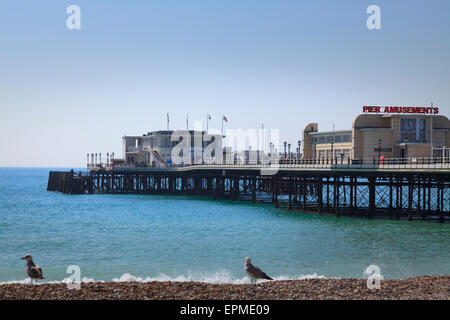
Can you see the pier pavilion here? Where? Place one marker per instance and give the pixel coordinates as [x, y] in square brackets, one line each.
[154, 149]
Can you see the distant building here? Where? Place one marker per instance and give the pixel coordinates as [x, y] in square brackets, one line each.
[155, 148]
[250, 157]
[326, 145]
[392, 135]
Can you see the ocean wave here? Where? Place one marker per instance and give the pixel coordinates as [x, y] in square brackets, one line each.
[222, 277]
[217, 277]
[65, 280]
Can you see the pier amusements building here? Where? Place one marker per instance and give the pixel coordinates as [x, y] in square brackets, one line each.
[388, 132]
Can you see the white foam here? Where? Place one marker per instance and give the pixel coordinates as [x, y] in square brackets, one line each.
[221, 277]
[24, 281]
[69, 280]
[65, 280]
[217, 277]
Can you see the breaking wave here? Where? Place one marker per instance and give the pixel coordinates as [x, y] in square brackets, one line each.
[222, 277]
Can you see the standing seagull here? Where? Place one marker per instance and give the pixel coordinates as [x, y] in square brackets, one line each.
[33, 270]
[254, 272]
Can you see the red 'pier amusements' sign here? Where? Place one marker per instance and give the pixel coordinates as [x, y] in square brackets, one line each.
[409, 110]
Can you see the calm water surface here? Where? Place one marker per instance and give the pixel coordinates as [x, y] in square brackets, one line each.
[146, 237]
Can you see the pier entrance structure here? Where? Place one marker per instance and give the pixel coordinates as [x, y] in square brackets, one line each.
[154, 149]
[401, 191]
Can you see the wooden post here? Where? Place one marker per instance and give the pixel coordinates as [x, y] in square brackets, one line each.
[328, 193]
[371, 196]
[424, 193]
[253, 186]
[352, 185]
[410, 197]
[420, 183]
[304, 193]
[216, 186]
[442, 217]
[50, 180]
[390, 195]
[319, 194]
[440, 202]
[397, 197]
[275, 191]
[290, 193]
[336, 196]
[235, 189]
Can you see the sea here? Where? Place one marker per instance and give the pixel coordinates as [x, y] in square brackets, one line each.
[144, 238]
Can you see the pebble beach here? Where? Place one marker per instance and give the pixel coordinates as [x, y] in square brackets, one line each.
[417, 288]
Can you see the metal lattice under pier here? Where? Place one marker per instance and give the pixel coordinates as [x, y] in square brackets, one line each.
[394, 194]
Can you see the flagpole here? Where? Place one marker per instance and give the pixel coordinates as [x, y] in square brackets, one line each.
[431, 133]
[207, 119]
[187, 121]
[223, 119]
[262, 138]
[167, 121]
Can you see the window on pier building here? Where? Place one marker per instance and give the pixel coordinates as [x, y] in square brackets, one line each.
[346, 153]
[164, 142]
[422, 130]
[412, 130]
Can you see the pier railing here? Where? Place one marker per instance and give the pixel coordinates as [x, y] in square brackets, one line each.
[353, 164]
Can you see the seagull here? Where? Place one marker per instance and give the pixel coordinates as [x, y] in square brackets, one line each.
[33, 270]
[254, 272]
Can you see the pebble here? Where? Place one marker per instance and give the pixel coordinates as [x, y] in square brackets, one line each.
[423, 288]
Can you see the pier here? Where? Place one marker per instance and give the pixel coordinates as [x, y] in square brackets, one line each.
[412, 191]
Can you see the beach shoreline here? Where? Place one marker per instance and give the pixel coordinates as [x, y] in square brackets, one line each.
[436, 287]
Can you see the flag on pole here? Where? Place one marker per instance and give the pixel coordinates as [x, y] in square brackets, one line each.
[223, 119]
[208, 117]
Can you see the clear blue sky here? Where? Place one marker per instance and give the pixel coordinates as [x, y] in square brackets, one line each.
[65, 93]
